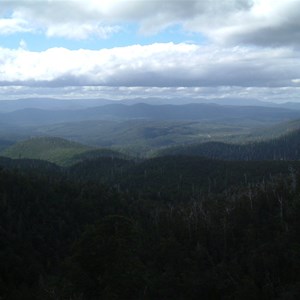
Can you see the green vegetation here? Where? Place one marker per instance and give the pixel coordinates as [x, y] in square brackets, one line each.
[215, 217]
[273, 132]
[52, 149]
[285, 147]
[177, 177]
[64, 152]
[141, 129]
[133, 138]
[142, 137]
[57, 150]
[164, 232]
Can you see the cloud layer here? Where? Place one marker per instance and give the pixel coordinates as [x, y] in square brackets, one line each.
[251, 48]
[261, 22]
[160, 65]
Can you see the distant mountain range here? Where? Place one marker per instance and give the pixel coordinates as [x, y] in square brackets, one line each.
[187, 112]
[142, 129]
[77, 104]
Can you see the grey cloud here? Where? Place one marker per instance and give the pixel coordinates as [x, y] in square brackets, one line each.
[269, 23]
[151, 15]
[266, 94]
[260, 22]
[274, 36]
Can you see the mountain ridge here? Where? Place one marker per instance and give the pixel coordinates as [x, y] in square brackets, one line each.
[195, 112]
[49, 103]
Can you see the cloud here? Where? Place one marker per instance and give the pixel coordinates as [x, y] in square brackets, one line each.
[260, 22]
[156, 65]
[180, 93]
[266, 23]
[71, 19]
[81, 31]
[14, 24]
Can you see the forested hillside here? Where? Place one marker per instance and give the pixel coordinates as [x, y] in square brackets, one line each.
[51, 149]
[141, 129]
[156, 141]
[166, 228]
[285, 147]
[139, 219]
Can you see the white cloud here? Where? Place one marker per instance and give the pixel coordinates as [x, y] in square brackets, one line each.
[218, 69]
[81, 31]
[12, 25]
[160, 65]
[22, 45]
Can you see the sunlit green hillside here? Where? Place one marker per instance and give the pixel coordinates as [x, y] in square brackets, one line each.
[52, 149]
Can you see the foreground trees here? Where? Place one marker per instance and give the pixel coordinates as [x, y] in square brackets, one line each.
[68, 239]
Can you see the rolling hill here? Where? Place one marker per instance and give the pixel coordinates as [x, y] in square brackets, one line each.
[56, 150]
[142, 129]
[153, 141]
[286, 147]
[52, 149]
[141, 137]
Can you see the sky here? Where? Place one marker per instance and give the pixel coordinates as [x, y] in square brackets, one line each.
[115, 49]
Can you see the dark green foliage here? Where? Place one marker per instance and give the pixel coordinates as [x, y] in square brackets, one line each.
[177, 177]
[177, 228]
[106, 262]
[39, 220]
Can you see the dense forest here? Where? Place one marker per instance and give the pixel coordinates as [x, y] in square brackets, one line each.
[150, 150]
[121, 203]
[285, 147]
[166, 228]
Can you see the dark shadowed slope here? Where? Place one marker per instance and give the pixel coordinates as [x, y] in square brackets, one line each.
[286, 147]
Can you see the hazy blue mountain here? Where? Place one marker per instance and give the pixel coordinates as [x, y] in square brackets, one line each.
[290, 105]
[188, 112]
[77, 104]
[51, 104]
[5, 144]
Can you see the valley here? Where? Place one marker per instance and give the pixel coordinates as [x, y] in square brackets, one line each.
[141, 129]
[190, 197]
